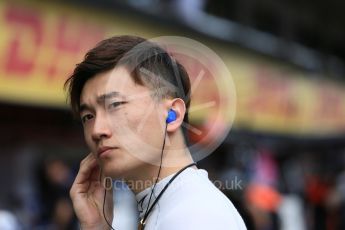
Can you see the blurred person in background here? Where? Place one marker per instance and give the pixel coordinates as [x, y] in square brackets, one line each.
[55, 178]
[185, 197]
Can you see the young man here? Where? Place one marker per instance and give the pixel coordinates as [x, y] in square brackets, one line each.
[132, 98]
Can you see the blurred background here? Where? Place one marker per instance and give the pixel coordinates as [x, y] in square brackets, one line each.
[282, 164]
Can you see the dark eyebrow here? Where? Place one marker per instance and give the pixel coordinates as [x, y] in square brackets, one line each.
[100, 99]
[106, 96]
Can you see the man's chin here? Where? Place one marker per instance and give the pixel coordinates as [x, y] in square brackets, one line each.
[111, 171]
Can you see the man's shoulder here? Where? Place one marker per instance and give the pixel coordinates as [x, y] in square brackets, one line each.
[199, 188]
[200, 203]
[202, 214]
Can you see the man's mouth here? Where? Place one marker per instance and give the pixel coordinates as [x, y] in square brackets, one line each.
[104, 150]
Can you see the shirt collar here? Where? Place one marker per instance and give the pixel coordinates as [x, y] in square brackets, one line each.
[143, 197]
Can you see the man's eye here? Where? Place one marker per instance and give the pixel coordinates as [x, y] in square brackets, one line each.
[86, 118]
[115, 104]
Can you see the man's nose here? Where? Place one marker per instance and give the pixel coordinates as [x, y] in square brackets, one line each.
[101, 129]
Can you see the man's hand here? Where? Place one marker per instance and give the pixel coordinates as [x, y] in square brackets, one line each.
[87, 194]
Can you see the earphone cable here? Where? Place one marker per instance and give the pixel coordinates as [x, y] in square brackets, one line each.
[106, 220]
[160, 167]
[159, 171]
[104, 197]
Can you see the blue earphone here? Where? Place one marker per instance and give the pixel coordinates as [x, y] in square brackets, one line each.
[171, 116]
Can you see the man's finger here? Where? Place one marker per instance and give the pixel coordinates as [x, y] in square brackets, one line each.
[82, 179]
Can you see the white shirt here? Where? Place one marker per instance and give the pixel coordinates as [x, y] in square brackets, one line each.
[191, 202]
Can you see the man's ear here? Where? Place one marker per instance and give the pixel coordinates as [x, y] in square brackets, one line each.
[179, 107]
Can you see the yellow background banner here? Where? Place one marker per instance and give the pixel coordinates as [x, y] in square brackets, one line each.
[41, 43]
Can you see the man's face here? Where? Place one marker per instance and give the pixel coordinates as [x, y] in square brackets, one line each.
[123, 124]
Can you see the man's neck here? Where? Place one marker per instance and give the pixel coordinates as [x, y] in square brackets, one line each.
[146, 176]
